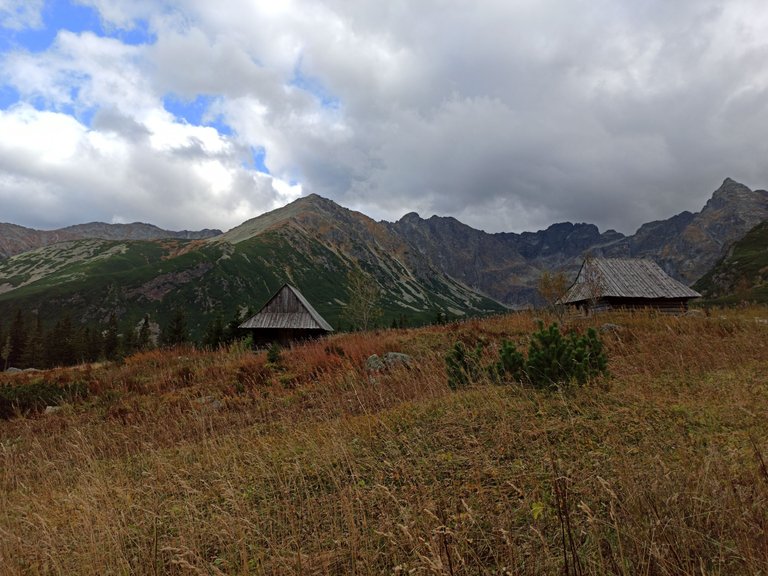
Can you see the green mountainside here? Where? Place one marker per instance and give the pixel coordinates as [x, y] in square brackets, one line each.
[312, 244]
[742, 274]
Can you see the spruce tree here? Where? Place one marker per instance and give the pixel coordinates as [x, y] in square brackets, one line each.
[145, 334]
[232, 332]
[60, 347]
[17, 340]
[79, 344]
[34, 351]
[94, 344]
[111, 341]
[5, 350]
[214, 333]
[129, 342]
[176, 332]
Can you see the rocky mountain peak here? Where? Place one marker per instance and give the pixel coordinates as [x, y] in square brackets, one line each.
[736, 196]
[313, 201]
[411, 219]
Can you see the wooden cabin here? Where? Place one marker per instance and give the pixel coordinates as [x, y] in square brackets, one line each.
[626, 283]
[285, 318]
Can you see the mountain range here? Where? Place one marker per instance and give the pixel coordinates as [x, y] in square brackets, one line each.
[16, 239]
[506, 266]
[423, 266]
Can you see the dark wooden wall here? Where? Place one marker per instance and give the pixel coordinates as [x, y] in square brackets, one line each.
[663, 305]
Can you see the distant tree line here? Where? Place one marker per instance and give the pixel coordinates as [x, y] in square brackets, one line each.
[26, 343]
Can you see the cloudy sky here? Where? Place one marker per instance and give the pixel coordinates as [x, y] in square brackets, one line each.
[507, 114]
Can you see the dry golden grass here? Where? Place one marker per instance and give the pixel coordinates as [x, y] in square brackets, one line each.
[188, 462]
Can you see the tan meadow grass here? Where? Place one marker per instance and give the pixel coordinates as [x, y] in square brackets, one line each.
[189, 462]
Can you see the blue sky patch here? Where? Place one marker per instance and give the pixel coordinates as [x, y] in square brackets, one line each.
[8, 97]
[314, 87]
[61, 15]
[195, 112]
[136, 36]
[260, 159]
[57, 15]
[192, 111]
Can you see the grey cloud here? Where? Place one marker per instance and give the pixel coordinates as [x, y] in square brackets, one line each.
[509, 115]
[608, 116]
[111, 120]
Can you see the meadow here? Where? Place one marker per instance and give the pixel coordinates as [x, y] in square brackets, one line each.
[219, 462]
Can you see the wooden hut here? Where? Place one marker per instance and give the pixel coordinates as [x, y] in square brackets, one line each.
[286, 317]
[626, 283]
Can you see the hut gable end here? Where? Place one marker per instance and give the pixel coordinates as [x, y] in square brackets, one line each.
[287, 310]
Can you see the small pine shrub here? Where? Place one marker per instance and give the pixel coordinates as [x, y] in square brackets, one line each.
[589, 358]
[550, 358]
[555, 360]
[511, 364]
[463, 365]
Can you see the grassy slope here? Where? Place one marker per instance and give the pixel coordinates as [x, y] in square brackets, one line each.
[318, 469]
[206, 279]
[742, 274]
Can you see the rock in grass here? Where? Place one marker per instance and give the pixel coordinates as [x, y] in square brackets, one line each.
[376, 363]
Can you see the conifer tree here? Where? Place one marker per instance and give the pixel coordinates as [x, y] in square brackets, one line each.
[129, 341]
[111, 341]
[79, 344]
[232, 332]
[214, 333]
[94, 343]
[5, 351]
[17, 340]
[145, 334]
[176, 332]
[34, 351]
[60, 343]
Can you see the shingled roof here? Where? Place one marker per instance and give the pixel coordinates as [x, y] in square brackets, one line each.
[624, 278]
[288, 309]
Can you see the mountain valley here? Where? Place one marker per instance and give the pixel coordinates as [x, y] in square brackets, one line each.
[424, 267]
